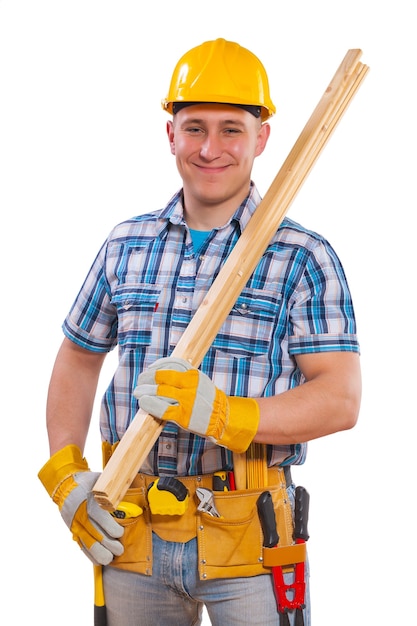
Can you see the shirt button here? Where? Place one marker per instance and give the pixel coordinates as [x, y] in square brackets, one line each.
[184, 299]
[168, 446]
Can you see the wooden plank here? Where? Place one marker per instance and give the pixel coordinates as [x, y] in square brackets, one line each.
[240, 470]
[144, 430]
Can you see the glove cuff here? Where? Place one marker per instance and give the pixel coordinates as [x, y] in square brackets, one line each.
[241, 424]
[62, 464]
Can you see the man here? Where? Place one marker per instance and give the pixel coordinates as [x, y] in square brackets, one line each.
[283, 369]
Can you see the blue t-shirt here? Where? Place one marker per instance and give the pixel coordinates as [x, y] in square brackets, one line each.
[198, 237]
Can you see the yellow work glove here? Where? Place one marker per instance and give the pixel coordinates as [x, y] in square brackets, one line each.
[69, 482]
[172, 389]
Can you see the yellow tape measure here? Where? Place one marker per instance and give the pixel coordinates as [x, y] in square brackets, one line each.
[168, 496]
[126, 510]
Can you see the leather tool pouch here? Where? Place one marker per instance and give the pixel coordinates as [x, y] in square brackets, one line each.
[137, 537]
[232, 545]
[228, 546]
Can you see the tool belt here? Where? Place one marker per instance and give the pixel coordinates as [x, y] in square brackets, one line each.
[228, 546]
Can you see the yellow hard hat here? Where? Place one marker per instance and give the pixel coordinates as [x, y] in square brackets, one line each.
[220, 71]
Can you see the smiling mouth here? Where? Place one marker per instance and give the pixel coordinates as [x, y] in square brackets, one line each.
[212, 170]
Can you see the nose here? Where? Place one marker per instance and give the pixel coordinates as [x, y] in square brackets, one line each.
[210, 148]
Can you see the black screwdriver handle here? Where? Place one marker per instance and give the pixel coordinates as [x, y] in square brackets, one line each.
[267, 517]
[302, 502]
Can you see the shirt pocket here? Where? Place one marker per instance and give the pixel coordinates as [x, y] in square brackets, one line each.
[249, 328]
[136, 305]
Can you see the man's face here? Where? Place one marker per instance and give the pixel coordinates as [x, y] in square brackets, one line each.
[215, 146]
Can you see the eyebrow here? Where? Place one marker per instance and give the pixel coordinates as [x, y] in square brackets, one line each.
[199, 120]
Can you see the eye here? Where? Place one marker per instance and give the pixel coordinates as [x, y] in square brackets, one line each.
[232, 131]
[193, 130]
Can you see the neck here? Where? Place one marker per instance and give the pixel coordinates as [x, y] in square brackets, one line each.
[206, 216]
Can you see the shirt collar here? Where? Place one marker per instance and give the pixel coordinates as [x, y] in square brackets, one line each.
[173, 213]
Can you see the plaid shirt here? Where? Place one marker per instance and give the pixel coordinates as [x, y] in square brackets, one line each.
[144, 287]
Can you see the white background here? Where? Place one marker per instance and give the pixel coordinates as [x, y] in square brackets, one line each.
[83, 146]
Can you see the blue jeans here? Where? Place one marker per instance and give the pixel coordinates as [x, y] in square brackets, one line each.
[174, 595]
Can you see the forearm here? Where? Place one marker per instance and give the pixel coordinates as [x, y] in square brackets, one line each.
[173, 390]
[326, 403]
[68, 415]
[71, 396]
[305, 413]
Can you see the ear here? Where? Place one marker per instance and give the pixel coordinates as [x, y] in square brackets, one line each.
[263, 136]
[170, 133]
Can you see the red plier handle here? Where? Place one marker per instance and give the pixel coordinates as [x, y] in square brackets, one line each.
[283, 589]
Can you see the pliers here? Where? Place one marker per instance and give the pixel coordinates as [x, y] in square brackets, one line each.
[271, 539]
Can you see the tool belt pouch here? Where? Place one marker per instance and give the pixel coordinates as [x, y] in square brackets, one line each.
[228, 546]
[232, 545]
[137, 536]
